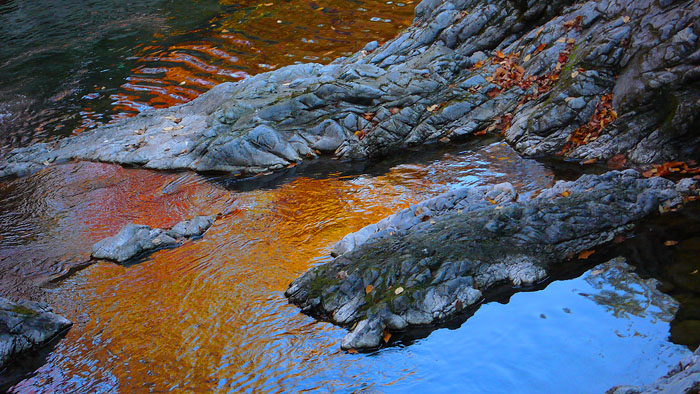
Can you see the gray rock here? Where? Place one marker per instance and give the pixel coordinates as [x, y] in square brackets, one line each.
[422, 87]
[133, 240]
[429, 262]
[26, 326]
[684, 378]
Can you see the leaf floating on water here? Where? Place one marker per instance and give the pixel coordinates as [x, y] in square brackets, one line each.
[671, 243]
[352, 351]
[369, 289]
[398, 290]
[585, 254]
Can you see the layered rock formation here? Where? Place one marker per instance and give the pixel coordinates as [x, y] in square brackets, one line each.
[26, 326]
[586, 81]
[430, 262]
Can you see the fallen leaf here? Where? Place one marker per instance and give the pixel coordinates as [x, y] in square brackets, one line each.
[445, 140]
[352, 351]
[574, 74]
[590, 161]
[433, 108]
[369, 289]
[386, 336]
[565, 193]
[398, 290]
[671, 243]
[571, 41]
[585, 254]
[292, 165]
[527, 58]
[481, 132]
[167, 128]
[395, 110]
[625, 19]
[182, 83]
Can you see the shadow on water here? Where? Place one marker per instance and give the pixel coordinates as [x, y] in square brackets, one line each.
[325, 167]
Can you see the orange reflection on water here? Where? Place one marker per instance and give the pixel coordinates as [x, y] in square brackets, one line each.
[210, 315]
[249, 39]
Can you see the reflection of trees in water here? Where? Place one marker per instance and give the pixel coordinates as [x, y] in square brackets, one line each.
[624, 294]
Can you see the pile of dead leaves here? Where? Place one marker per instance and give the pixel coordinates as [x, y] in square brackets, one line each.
[604, 114]
[673, 167]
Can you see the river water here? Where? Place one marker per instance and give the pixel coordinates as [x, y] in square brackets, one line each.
[210, 316]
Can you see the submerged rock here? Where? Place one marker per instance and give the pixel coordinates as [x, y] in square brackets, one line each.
[134, 240]
[542, 72]
[684, 378]
[428, 263]
[26, 326]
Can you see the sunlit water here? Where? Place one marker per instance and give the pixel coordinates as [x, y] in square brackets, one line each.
[211, 316]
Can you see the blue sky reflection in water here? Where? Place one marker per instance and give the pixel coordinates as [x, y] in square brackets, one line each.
[210, 315]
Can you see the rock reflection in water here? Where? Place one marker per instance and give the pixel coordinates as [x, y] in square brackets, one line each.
[624, 294]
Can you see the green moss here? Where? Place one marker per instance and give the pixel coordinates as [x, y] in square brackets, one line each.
[21, 310]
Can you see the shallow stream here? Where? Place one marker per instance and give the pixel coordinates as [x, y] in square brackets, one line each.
[210, 316]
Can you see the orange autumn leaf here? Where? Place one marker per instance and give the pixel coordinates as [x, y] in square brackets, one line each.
[386, 336]
[585, 254]
[352, 351]
[369, 289]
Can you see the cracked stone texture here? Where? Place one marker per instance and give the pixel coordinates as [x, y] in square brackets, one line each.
[421, 87]
[25, 326]
[426, 264]
[134, 239]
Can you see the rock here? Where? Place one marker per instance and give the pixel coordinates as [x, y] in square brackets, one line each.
[540, 72]
[429, 262]
[26, 326]
[684, 378]
[133, 240]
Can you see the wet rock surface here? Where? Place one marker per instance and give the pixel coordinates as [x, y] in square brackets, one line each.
[434, 260]
[134, 240]
[684, 378]
[536, 71]
[26, 326]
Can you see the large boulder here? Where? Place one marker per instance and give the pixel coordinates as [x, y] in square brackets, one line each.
[587, 81]
[434, 260]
